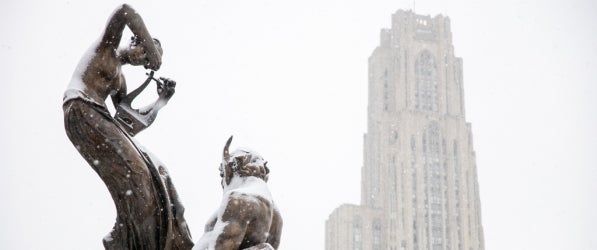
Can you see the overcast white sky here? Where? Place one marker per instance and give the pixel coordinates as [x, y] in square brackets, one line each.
[289, 79]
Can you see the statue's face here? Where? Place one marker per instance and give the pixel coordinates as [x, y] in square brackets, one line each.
[137, 54]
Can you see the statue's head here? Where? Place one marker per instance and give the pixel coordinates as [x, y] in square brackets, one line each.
[136, 52]
[242, 163]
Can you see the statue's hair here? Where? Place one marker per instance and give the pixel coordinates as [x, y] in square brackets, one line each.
[249, 164]
[252, 169]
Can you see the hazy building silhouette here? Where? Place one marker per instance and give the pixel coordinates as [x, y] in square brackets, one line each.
[419, 177]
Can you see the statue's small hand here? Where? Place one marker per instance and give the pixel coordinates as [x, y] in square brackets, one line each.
[167, 88]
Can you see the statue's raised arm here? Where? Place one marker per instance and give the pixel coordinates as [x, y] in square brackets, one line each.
[123, 16]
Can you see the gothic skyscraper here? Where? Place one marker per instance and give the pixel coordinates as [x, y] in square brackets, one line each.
[419, 177]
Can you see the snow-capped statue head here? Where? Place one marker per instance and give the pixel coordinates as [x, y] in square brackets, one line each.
[242, 163]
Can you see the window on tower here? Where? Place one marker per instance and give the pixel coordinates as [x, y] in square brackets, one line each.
[357, 237]
[426, 82]
[376, 234]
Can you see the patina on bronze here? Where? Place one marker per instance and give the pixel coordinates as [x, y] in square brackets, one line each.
[149, 214]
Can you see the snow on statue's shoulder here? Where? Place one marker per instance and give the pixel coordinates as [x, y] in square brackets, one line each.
[76, 81]
[250, 186]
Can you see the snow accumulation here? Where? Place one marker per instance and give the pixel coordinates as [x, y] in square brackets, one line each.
[238, 186]
[247, 187]
[247, 151]
[208, 240]
[76, 81]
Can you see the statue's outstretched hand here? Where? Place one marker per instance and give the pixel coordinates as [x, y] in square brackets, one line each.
[167, 88]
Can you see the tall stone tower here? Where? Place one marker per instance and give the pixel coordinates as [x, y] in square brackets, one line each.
[419, 177]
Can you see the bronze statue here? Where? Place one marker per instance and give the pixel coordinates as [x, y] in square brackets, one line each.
[248, 218]
[149, 214]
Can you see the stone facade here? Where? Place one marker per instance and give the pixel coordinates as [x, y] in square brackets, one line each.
[419, 171]
[354, 227]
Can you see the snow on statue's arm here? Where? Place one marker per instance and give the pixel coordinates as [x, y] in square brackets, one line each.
[226, 229]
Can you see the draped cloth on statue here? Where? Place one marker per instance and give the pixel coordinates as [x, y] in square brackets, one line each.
[149, 214]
